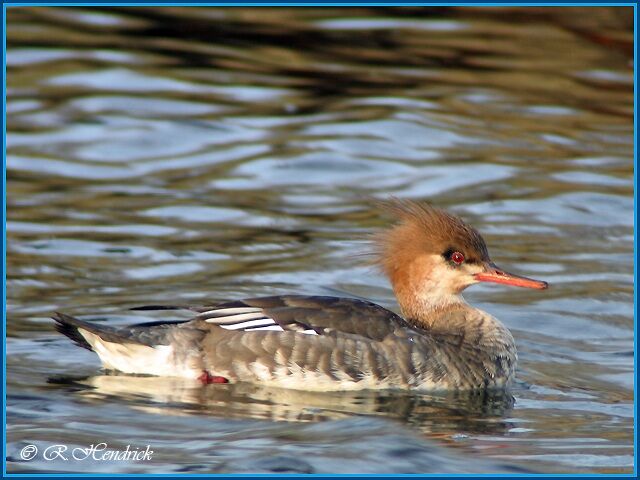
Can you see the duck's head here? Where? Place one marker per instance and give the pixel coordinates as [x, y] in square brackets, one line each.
[430, 256]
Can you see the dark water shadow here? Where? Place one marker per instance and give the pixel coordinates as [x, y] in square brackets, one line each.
[473, 412]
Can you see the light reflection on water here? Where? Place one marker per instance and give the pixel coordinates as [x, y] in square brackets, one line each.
[188, 155]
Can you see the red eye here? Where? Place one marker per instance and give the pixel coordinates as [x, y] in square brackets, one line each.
[457, 258]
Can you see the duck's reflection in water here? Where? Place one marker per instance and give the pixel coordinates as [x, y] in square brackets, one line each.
[472, 412]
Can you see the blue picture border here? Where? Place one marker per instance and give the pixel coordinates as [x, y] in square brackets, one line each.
[258, 3]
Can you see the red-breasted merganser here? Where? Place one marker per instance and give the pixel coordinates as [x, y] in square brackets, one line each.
[328, 343]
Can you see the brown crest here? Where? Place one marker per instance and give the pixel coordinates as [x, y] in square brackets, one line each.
[424, 229]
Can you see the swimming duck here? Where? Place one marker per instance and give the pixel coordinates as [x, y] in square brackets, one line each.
[324, 343]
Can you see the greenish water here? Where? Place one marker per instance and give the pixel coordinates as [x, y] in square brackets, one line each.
[188, 155]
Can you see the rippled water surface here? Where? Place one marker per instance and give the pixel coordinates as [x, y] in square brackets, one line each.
[187, 155]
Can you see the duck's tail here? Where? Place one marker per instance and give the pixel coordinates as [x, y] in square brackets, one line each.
[138, 349]
[73, 328]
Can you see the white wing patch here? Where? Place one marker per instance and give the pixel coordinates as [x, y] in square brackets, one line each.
[309, 332]
[275, 328]
[247, 319]
[251, 325]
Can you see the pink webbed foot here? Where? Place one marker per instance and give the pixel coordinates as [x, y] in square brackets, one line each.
[206, 378]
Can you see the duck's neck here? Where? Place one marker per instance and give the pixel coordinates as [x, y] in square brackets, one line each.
[485, 347]
[445, 312]
[424, 305]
